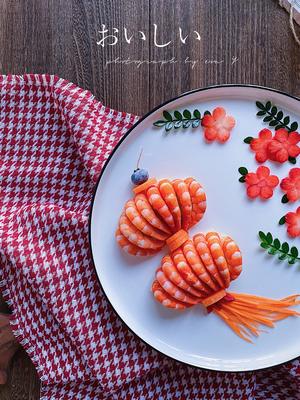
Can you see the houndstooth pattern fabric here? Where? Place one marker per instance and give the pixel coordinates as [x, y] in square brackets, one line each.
[54, 140]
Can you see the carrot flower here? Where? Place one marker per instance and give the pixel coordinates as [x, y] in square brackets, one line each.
[260, 145]
[291, 185]
[261, 183]
[292, 220]
[284, 145]
[218, 125]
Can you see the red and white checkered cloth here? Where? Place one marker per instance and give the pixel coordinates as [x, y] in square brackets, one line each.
[54, 139]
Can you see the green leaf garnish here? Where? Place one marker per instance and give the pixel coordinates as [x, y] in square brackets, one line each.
[274, 117]
[282, 220]
[284, 199]
[243, 171]
[183, 120]
[274, 247]
[248, 139]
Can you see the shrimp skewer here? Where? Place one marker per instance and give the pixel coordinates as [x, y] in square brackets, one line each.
[186, 271]
[215, 246]
[171, 272]
[204, 253]
[168, 194]
[160, 206]
[141, 223]
[173, 290]
[145, 209]
[197, 266]
[185, 202]
[198, 198]
[136, 237]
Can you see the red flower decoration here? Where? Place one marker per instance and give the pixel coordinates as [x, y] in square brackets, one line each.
[218, 125]
[291, 185]
[292, 219]
[284, 145]
[261, 184]
[260, 145]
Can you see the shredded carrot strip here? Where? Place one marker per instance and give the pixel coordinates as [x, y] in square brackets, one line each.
[232, 325]
[247, 312]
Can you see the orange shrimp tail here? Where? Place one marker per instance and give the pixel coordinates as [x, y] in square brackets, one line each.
[245, 313]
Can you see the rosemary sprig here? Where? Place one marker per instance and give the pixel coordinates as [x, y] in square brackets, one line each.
[275, 247]
[275, 117]
[178, 120]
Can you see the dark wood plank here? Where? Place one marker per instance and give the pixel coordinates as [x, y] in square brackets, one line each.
[59, 37]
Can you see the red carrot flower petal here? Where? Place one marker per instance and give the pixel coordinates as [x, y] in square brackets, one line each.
[266, 192]
[262, 172]
[253, 191]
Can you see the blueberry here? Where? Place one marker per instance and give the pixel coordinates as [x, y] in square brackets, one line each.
[139, 176]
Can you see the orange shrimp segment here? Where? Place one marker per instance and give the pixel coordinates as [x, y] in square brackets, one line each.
[186, 271]
[173, 290]
[141, 223]
[168, 194]
[160, 206]
[185, 202]
[145, 209]
[131, 248]
[215, 245]
[204, 253]
[170, 270]
[197, 266]
[163, 297]
[198, 198]
[233, 256]
[136, 237]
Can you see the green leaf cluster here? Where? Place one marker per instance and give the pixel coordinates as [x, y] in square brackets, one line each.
[185, 119]
[274, 117]
[283, 250]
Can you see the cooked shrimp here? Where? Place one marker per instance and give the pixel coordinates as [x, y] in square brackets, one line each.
[186, 271]
[162, 297]
[198, 198]
[141, 223]
[174, 291]
[185, 202]
[233, 256]
[215, 245]
[170, 270]
[145, 209]
[168, 194]
[204, 253]
[136, 237]
[131, 248]
[160, 206]
[197, 266]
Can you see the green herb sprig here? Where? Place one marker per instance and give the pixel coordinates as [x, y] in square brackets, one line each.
[275, 247]
[274, 117]
[178, 120]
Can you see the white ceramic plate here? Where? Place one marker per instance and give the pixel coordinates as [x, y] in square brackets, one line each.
[191, 336]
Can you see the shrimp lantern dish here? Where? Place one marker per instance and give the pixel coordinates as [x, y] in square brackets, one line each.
[197, 270]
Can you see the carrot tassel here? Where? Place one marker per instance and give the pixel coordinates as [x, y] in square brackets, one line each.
[246, 312]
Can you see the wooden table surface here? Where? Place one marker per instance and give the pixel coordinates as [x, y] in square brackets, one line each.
[60, 37]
